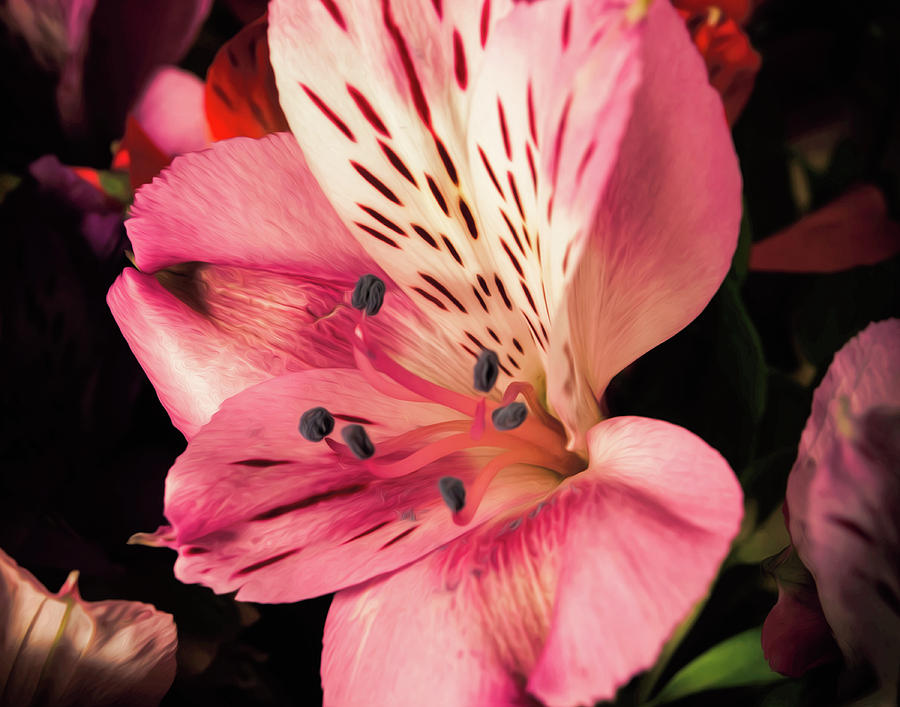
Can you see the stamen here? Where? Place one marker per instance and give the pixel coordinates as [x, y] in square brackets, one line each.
[477, 427]
[487, 368]
[316, 424]
[509, 416]
[421, 457]
[453, 492]
[358, 441]
[386, 365]
[368, 295]
[480, 485]
[516, 388]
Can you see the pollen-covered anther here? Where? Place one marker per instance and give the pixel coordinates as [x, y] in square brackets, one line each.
[509, 416]
[486, 370]
[357, 439]
[316, 424]
[368, 295]
[453, 491]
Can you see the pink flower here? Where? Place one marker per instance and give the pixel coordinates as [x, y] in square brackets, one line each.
[843, 494]
[57, 649]
[549, 181]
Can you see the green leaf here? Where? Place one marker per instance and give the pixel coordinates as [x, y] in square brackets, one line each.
[740, 261]
[735, 662]
[116, 185]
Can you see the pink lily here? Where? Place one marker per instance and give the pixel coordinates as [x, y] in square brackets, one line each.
[57, 649]
[550, 181]
[843, 493]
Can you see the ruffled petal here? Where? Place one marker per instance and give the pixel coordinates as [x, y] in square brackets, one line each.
[854, 229]
[240, 94]
[662, 234]
[261, 269]
[565, 601]
[256, 508]
[245, 203]
[59, 649]
[203, 333]
[843, 493]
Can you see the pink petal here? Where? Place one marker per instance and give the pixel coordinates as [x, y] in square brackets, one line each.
[548, 114]
[566, 601]
[203, 332]
[852, 230]
[378, 95]
[663, 234]
[256, 508]
[61, 650]
[242, 202]
[843, 493]
[270, 268]
[170, 111]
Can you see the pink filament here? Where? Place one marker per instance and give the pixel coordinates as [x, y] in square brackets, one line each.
[476, 490]
[410, 381]
[477, 427]
[423, 456]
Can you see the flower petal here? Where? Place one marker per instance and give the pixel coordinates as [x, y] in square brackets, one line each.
[379, 96]
[852, 230]
[241, 202]
[260, 265]
[795, 636]
[256, 508]
[240, 94]
[567, 601]
[170, 110]
[662, 235]
[61, 650]
[843, 493]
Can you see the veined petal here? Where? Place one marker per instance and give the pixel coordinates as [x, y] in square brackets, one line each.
[258, 273]
[566, 601]
[379, 96]
[659, 237]
[549, 112]
[256, 508]
[240, 94]
[843, 493]
[61, 650]
[241, 202]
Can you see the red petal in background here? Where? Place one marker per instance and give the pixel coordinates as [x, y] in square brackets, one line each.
[852, 230]
[241, 98]
[139, 155]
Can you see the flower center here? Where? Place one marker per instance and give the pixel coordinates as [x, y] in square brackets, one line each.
[522, 432]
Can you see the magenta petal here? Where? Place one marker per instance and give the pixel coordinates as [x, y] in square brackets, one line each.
[57, 649]
[256, 508]
[843, 494]
[566, 601]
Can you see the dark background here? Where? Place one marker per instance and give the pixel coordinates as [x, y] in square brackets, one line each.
[86, 444]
